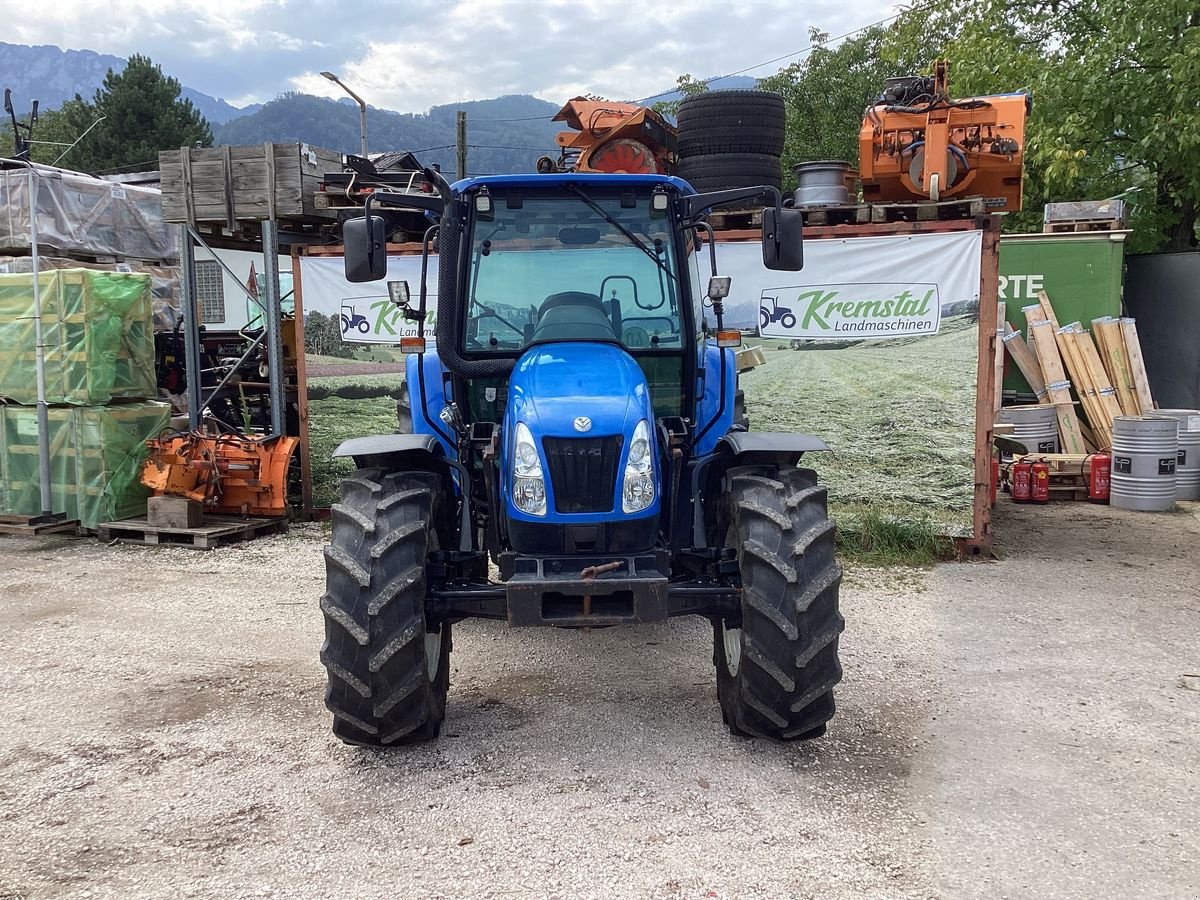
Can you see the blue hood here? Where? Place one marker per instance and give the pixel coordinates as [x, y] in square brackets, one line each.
[552, 384]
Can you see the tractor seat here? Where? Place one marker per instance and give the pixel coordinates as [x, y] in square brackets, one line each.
[573, 316]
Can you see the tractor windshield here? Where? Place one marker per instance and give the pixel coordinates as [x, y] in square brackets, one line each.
[572, 266]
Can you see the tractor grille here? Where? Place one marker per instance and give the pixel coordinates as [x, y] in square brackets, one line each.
[583, 472]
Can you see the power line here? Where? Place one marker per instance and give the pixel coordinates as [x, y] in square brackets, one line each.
[519, 119]
[807, 49]
[135, 165]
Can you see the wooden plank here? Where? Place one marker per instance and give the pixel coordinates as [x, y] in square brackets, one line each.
[1082, 382]
[1020, 353]
[1048, 309]
[1107, 332]
[985, 373]
[1105, 391]
[1137, 366]
[1057, 385]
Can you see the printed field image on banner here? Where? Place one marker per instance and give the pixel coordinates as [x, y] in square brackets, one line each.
[872, 347]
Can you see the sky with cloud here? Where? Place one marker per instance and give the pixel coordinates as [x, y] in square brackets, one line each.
[414, 54]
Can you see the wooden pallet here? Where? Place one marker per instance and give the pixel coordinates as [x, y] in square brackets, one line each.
[735, 219]
[1073, 226]
[216, 531]
[34, 525]
[856, 214]
[927, 210]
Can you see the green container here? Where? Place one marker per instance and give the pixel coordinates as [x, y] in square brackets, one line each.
[1082, 274]
[98, 331]
[96, 456]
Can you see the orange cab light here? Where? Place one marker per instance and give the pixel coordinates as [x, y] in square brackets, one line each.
[412, 345]
[730, 338]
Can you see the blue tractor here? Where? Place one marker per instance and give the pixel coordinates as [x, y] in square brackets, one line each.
[577, 456]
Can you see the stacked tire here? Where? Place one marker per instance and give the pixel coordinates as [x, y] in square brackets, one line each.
[731, 139]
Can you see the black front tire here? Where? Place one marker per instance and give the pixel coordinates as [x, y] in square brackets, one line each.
[388, 673]
[777, 666]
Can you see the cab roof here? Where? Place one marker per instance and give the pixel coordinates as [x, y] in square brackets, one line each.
[583, 180]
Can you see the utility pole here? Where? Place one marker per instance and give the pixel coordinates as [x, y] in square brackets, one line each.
[461, 144]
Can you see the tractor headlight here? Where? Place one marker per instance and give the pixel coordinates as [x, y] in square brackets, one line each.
[529, 485]
[637, 488]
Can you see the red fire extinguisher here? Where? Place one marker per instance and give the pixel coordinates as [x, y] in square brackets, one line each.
[1099, 477]
[1039, 481]
[1020, 476]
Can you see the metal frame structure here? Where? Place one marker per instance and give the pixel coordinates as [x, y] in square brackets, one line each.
[48, 516]
[271, 338]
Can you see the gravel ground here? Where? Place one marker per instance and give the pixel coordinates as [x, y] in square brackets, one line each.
[1020, 728]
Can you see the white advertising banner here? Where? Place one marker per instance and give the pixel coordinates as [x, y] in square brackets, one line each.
[855, 288]
[367, 314]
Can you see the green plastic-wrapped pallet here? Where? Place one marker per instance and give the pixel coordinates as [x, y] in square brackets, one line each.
[99, 335]
[96, 456]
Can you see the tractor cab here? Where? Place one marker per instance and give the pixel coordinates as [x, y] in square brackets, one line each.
[576, 419]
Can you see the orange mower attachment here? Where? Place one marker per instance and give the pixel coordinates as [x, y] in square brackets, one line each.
[230, 474]
[613, 137]
[918, 143]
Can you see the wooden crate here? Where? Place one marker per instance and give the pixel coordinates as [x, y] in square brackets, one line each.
[227, 185]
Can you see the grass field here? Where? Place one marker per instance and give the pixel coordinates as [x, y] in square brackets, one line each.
[899, 415]
[333, 419]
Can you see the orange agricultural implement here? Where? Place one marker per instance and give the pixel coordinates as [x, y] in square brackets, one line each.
[612, 137]
[917, 142]
[229, 474]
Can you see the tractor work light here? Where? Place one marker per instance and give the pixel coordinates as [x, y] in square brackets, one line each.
[637, 487]
[529, 484]
[658, 201]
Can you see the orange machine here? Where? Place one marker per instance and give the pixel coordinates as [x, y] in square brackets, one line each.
[916, 142]
[230, 474]
[611, 137]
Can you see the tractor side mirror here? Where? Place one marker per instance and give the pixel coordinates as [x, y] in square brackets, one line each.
[783, 239]
[365, 248]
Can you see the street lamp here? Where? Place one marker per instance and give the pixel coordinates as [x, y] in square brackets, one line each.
[362, 109]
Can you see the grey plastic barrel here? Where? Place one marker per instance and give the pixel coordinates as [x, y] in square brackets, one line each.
[822, 183]
[1144, 456]
[1187, 468]
[1034, 426]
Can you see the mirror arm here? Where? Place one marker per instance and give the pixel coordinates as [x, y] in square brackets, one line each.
[424, 293]
[692, 205]
[718, 306]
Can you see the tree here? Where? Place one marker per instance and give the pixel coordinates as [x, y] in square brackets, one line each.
[1114, 98]
[826, 93]
[685, 85]
[143, 113]
[140, 112]
[323, 336]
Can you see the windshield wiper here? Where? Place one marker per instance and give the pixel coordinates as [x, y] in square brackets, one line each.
[488, 311]
[612, 220]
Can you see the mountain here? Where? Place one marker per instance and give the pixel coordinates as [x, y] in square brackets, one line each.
[506, 134]
[51, 76]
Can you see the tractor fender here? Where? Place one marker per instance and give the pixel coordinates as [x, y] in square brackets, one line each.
[413, 452]
[375, 449]
[783, 448]
[736, 449]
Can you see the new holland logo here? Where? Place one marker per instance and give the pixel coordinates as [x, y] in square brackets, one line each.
[583, 423]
